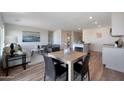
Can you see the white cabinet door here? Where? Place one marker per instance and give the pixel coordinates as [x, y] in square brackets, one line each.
[117, 24]
[113, 58]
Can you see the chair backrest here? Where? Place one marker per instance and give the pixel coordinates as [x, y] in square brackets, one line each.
[55, 48]
[49, 68]
[79, 49]
[85, 66]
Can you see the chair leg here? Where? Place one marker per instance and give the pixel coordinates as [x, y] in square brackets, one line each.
[88, 76]
[44, 77]
[82, 78]
[85, 76]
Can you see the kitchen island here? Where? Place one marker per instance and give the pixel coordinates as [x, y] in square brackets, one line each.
[113, 57]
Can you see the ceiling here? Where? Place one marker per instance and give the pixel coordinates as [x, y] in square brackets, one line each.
[68, 21]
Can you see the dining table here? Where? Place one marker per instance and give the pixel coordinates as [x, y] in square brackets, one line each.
[69, 59]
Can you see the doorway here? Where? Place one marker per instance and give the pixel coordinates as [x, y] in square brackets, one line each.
[1, 40]
[50, 37]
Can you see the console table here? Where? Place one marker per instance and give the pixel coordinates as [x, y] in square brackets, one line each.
[15, 57]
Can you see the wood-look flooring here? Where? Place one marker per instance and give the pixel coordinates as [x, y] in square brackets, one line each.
[35, 72]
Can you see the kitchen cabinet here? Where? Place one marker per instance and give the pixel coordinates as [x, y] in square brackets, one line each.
[117, 24]
[113, 58]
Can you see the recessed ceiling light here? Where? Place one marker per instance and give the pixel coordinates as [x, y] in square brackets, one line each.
[96, 22]
[90, 17]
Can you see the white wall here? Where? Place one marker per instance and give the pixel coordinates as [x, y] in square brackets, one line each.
[57, 37]
[89, 36]
[16, 31]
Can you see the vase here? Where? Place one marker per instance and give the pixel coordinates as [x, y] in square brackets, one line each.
[67, 51]
[12, 50]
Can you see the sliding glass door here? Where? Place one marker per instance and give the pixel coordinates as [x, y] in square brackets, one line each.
[1, 40]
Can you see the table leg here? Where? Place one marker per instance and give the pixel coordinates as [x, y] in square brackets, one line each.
[24, 61]
[6, 65]
[70, 71]
[67, 72]
[41, 51]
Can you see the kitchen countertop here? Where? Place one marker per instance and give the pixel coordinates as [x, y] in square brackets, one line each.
[112, 46]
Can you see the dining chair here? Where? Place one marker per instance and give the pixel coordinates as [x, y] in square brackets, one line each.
[79, 49]
[83, 69]
[53, 71]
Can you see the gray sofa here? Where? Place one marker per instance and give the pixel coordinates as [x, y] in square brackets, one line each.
[51, 48]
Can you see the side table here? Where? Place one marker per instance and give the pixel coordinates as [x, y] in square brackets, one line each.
[15, 57]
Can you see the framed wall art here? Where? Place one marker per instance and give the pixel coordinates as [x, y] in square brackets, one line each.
[28, 36]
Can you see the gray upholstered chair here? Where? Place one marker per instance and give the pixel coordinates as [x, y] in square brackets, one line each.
[83, 69]
[79, 49]
[52, 70]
